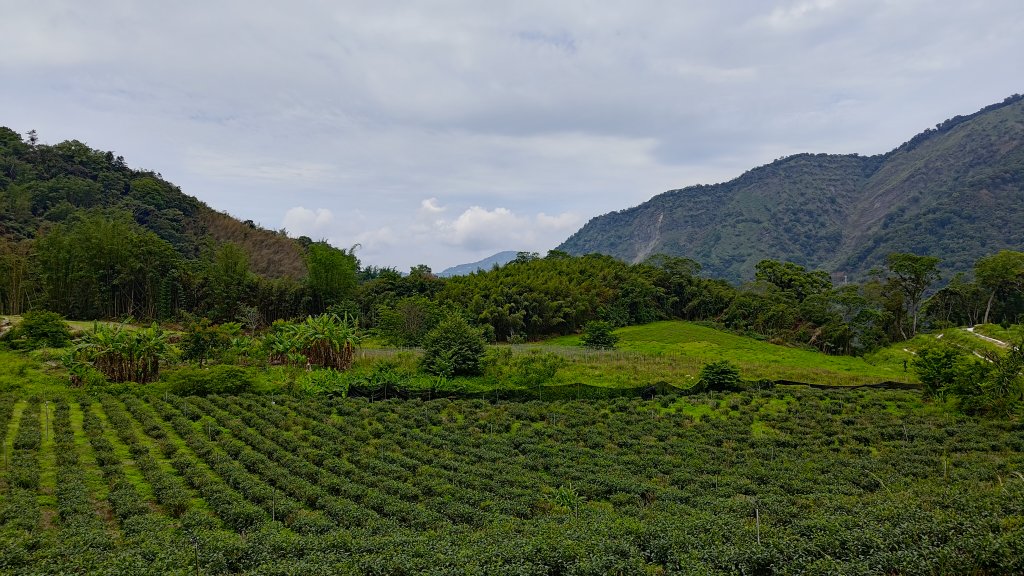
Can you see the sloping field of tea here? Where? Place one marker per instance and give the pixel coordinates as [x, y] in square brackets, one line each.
[790, 480]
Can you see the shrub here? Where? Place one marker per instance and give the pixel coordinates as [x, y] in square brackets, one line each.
[522, 370]
[202, 341]
[40, 328]
[598, 335]
[938, 367]
[721, 375]
[324, 381]
[221, 379]
[121, 355]
[453, 348]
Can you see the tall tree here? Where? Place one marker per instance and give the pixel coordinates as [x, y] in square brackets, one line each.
[15, 260]
[793, 279]
[230, 280]
[332, 275]
[1000, 275]
[911, 275]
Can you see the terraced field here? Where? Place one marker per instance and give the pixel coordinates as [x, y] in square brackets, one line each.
[790, 480]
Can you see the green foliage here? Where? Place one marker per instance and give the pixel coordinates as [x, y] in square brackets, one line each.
[102, 265]
[203, 341]
[405, 323]
[530, 369]
[39, 328]
[599, 335]
[721, 375]
[993, 384]
[120, 354]
[325, 341]
[792, 279]
[332, 275]
[453, 348]
[911, 275]
[715, 483]
[1002, 276]
[939, 367]
[220, 379]
[325, 381]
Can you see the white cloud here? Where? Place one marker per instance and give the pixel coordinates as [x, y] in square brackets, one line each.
[430, 207]
[301, 221]
[478, 229]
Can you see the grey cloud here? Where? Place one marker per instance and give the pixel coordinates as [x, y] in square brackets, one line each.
[533, 107]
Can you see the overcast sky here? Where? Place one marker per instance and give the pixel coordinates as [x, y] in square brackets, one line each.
[442, 132]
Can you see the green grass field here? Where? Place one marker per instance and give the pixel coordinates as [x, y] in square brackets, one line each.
[675, 351]
[1010, 335]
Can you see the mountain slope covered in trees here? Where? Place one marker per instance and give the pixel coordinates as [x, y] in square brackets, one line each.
[955, 191]
[43, 185]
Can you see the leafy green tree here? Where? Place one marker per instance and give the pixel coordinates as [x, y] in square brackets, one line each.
[202, 341]
[331, 275]
[1002, 275]
[15, 275]
[408, 320]
[911, 275]
[103, 265]
[453, 348]
[599, 335]
[938, 367]
[230, 282]
[123, 355]
[793, 279]
[327, 341]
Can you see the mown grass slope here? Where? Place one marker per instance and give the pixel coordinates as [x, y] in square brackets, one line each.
[675, 351]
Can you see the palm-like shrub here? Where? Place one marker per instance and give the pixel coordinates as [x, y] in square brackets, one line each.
[326, 341]
[122, 355]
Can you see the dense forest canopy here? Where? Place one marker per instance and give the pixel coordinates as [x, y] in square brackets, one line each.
[83, 235]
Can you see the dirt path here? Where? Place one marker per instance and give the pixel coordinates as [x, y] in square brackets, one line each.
[999, 343]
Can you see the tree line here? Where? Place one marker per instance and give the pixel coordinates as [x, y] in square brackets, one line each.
[83, 235]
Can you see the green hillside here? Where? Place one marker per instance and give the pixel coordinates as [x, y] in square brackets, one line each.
[674, 352]
[43, 185]
[956, 191]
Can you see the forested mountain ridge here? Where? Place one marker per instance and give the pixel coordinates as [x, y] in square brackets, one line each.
[956, 192]
[43, 185]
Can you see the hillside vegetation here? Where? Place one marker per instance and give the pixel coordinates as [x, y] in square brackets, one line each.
[956, 192]
[43, 185]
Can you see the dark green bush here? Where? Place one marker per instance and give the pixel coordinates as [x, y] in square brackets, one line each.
[40, 328]
[221, 379]
[598, 335]
[721, 375]
[453, 348]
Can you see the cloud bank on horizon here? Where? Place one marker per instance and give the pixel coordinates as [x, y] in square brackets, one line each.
[440, 134]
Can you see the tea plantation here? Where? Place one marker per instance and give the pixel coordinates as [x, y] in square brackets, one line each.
[784, 481]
